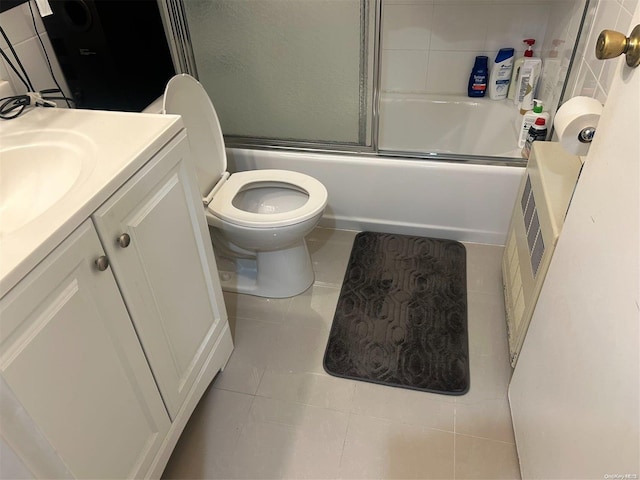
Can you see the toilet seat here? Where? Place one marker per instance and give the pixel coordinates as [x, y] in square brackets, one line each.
[222, 206]
[185, 96]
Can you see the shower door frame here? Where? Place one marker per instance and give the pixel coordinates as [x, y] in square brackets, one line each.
[177, 30]
[176, 26]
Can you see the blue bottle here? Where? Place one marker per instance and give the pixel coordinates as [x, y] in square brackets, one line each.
[478, 78]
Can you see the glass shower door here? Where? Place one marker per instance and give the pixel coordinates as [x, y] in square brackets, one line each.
[290, 70]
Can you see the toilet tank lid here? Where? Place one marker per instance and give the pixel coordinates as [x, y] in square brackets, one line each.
[185, 96]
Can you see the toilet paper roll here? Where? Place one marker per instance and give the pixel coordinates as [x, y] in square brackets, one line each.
[574, 116]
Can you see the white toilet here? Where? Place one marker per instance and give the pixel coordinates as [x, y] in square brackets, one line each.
[259, 217]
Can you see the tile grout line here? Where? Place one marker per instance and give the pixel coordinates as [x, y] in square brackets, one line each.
[486, 438]
[455, 435]
[344, 442]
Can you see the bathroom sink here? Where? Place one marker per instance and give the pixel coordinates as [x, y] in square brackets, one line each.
[57, 166]
[37, 169]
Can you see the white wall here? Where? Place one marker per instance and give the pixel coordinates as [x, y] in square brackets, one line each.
[18, 25]
[429, 46]
[575, 392]
[592, 77]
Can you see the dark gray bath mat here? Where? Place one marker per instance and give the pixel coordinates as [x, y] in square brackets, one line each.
[401, 318]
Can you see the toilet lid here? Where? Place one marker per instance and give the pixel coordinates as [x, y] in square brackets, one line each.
[186, 97]
[222, 203]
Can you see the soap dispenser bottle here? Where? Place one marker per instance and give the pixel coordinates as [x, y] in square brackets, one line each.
[516, 67]
[501, 74]
[524, 123]
[478, 78]
[537, 132]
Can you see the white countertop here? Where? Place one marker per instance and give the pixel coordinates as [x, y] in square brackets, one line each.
[119, 144]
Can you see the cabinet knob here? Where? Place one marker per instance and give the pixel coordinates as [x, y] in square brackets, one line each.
[124, 240]
[102, 263]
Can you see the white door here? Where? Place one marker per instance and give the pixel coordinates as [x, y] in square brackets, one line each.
[70, 356]
[574, 393]
[167, 274]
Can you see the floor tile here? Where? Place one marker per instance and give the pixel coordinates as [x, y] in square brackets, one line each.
[288, 440]
[316, 389]
[275, 413]
[487, 326]
[325, 235]
[478, 458]
[208, 441]
[256, 308]
[490, 418]
[377, 448]
[484, 268]
[329, 260]
[404, 406]
[252, 350]
[295, 348]
[488, 380]
[240, 375]
[314, 308]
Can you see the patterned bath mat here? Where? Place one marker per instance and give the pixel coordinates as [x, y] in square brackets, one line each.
[401, 318]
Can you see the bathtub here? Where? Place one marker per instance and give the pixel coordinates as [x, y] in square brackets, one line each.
[448, 124]
[458, 201]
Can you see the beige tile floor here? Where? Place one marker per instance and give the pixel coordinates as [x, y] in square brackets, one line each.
[275, 413]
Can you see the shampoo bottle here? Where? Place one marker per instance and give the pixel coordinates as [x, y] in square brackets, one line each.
[529, 89]
[478, 78]
[501, 74]
[517, 65]
[529, 119]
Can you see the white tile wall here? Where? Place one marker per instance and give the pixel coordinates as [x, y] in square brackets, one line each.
[18, 25]
[592, 77]
[430, 46]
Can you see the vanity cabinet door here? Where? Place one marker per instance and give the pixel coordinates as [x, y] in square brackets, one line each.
[155, 234]
[76, 382]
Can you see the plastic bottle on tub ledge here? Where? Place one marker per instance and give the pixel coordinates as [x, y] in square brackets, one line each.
[501, 74]
[533, 67]
[537, 133]
[517, 65]
[478, 78]
[523, 123]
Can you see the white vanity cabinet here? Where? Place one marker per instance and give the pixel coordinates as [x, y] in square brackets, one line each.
[103, 363]
[155, 235]
[70, 356]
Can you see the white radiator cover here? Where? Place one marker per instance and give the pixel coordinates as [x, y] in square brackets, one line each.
[537, 218]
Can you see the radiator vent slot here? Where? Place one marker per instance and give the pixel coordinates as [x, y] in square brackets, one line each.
[537, 253]
[532, 227]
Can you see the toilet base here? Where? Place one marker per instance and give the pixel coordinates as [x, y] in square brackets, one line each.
[275, 274]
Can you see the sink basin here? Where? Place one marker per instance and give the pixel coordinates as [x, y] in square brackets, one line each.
[37, 169]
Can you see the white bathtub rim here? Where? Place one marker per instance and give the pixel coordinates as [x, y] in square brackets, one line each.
[458, 201]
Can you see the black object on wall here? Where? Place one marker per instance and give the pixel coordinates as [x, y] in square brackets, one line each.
[113, 53]
[9, 4]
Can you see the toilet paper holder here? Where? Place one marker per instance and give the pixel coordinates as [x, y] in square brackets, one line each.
[610, 44]
[586, 135]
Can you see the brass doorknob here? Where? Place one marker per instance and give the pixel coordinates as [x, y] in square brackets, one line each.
[610, 44]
